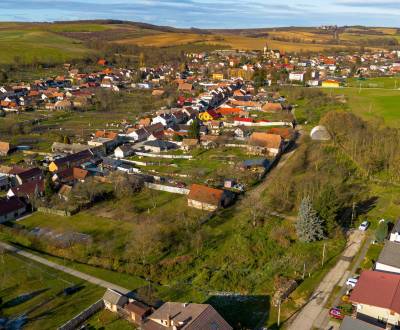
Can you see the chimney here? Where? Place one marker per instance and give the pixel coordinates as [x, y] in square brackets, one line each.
[169, 320]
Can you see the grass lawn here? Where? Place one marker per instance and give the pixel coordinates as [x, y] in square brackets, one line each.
[377, 104]
[371, 256]
[108, 320]
[33, 290]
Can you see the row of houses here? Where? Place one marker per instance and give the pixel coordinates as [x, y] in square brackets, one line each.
[169, 316]
[376, 296]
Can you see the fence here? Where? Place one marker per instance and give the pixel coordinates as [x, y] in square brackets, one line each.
[83, 316]
[174, 190]
[57, 212]
[145, 154]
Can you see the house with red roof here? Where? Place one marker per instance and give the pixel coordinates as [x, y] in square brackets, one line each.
[377, 296]
[208, 199]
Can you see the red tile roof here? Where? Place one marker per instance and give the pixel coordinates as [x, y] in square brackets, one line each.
[378, 289]
[205, 194]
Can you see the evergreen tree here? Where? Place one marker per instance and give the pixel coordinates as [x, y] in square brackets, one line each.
[194, 130]
[309, 226]
[328, 206]
[48, 186]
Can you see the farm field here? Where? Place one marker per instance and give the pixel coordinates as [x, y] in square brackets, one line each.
[166, 39]
[33, 290]
[27, 43]
[27, 46]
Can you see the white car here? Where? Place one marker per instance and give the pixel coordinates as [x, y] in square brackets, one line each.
[364, 226]
[352, 281]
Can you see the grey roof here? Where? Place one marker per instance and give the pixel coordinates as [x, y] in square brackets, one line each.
[258, 162]
[160, 144]
[396, 227]
[115, 298]
[390, 254]
[354, 324]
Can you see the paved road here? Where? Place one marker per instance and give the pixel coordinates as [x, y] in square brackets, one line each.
[64, 269]
[312, 315]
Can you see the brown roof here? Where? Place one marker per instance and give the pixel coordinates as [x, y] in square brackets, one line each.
[10, 205]
[190, 142]
[74, 173]
[28, 189]
[272, 107]
[266, 140]
[192, 316]
[205, 194]
[107, 134]
[285, 133]
[378, 289]
[138, 308]
[5, 147]
[30, 173]
[185, 87]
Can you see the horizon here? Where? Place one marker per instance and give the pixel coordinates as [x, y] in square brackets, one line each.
[191, 13]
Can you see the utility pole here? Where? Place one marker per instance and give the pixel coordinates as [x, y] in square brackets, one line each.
[304, 271]
[323, 254]
[353, 214]
[279, 313]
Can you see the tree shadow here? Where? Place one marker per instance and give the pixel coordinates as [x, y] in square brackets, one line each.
[360, 208]
[242, 311]
[367, 205]
[23, 298]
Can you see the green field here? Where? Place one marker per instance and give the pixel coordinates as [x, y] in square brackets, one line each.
[379, 82]
[27, 46]
[33, 290]
[377, 104]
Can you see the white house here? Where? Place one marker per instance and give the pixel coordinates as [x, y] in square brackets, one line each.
[123, 151]
[296, 76]
[395, 234]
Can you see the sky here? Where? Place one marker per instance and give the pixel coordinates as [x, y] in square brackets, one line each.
[210, 13]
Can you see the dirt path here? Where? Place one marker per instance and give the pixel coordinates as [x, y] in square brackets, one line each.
[310, 315]
[73, 272]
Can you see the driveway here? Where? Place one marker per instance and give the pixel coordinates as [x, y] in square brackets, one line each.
[312, 315]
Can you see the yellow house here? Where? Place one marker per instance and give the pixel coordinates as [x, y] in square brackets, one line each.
[330, 84]
[205, 116]
[218, 76]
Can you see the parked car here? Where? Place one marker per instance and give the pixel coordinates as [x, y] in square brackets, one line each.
[352, 281]
[364, 226]
[181, 184]
[336, 313]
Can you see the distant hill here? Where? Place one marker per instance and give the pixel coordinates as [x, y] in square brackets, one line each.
[62, 41]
